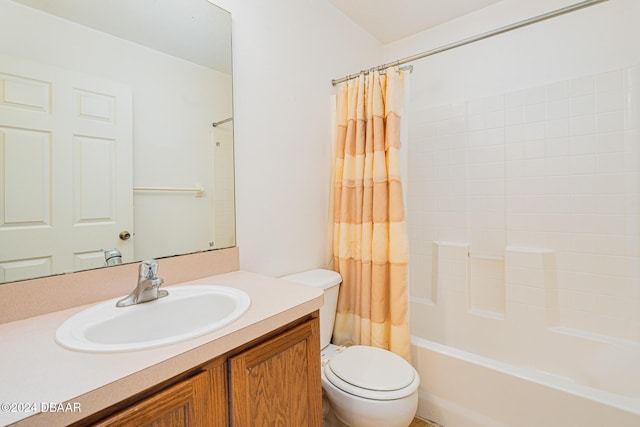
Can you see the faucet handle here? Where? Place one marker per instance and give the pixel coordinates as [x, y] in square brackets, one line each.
[149, 268]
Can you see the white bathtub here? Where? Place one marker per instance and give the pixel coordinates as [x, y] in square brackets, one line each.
[599, 388]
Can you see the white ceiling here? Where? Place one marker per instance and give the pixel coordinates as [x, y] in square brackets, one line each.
[390, 21]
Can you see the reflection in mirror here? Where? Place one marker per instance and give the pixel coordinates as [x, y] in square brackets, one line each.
[106, 138]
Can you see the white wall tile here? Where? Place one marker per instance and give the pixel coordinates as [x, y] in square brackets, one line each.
[494, 103]
[582, 125]
[534, 131]
[514, 99]
[584, 243]
[534, 149]
[559, 185]
[611, 204]
[514, 116]
[582, 164]
[632, 150]
[609, 101]
[514, 133]
[534, 95]
[535, 167]
[557, 204]
[557, 109]
[611, 162]
[534, 113]
[513, 151]
[611, 142]
[582, 105]
[582, 86]
[555, 147]
[495, 136]
[610, 122]
[546, 167]
[609, 81]
[610, 224]
[557, 166]
[582, 144]
[558, 90]
[494, 119]
[615, 183]
[583, 184]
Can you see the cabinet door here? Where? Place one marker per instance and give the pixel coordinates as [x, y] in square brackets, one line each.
[186, 404]
[277, 383]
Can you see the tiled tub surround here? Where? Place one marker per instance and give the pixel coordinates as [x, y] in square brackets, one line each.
[34, 368]
[524, 225]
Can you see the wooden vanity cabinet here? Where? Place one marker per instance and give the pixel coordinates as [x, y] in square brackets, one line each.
[197, 401]
[273, 381]
[277, 383]
[181, 405]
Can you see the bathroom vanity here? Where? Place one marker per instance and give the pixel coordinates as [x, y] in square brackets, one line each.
[263, 366]
[274, 379]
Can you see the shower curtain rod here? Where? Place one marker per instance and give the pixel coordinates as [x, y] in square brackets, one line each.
[468, 40]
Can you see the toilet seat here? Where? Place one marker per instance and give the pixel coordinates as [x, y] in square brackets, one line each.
[372, 373]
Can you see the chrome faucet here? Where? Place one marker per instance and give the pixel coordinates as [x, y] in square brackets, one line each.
[147, 287]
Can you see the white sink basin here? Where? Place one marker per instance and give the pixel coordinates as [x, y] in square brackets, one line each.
[187, 312]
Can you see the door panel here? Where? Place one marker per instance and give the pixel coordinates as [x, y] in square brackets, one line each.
[25, 157]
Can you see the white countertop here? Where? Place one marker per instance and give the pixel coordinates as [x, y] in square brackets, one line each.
[35, 372]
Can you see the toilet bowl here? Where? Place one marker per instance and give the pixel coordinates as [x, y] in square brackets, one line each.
[365, 386]
[368, 386]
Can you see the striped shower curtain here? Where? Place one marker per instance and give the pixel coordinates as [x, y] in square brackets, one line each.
[370, 248]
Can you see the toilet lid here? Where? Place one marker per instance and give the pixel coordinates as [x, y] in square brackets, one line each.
[372, 373]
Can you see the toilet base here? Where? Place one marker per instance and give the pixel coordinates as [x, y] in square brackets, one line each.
[330, 420]
[353, 411]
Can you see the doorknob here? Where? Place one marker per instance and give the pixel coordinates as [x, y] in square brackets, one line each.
[124, 235]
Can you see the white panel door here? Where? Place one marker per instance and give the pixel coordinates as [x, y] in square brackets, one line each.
[65, 170]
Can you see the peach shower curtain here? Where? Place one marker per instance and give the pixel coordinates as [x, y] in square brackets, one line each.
[370, 248]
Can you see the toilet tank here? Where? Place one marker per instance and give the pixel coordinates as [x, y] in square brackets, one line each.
[329, 281]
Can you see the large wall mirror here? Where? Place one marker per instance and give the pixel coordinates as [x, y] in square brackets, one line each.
[116, 132]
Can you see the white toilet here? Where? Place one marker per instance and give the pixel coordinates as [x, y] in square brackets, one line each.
[366, 386]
